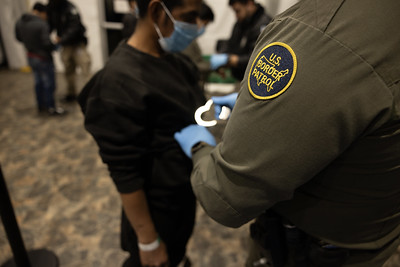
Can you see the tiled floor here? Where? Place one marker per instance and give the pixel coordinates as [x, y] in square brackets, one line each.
[63, 197]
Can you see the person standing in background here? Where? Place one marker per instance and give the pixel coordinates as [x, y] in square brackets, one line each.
[64, 17]
[235, 52]
[33, 31]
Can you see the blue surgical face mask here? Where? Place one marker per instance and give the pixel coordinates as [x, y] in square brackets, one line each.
[184, 33]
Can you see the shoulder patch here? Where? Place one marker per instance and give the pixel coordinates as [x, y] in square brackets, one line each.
[272, 71]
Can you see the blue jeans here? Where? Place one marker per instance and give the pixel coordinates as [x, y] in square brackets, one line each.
[45, 84]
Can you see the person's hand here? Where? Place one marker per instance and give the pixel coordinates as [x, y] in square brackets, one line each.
[220, 101]
[155, 258]
[218, 60]
[191, 135]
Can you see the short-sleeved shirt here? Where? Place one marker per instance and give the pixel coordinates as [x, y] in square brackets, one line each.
[315, 132]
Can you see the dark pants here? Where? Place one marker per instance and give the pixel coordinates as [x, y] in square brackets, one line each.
[174, 225]
[43, 71]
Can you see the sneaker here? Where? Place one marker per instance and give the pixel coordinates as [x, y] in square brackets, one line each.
[56, 111]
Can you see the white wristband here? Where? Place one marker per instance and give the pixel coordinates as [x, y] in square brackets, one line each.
[151, 246]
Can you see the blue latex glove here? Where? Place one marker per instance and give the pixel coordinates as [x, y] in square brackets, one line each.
[191, 135]
[226, 100]
[218, 60]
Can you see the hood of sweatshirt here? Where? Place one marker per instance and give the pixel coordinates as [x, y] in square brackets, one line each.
[26, 18]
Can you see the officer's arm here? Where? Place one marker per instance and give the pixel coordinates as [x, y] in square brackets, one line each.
[273, 146]
[207, 183]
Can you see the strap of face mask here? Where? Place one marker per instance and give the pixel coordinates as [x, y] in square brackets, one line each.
[167, 11]
[168, 14]
[158, 30]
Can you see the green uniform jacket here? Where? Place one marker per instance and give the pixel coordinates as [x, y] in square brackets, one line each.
[315, 132]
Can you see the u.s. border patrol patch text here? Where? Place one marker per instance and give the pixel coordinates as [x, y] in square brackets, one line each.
[272, 71]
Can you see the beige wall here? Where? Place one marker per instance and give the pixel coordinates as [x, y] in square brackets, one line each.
[10, 12]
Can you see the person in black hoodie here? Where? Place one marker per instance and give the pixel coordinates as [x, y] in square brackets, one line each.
[132, 107]
[33, 31]
[235, 52]
[64, 17]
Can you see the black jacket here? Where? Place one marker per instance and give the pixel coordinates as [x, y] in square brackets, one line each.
[133, 107]
[243, 39]
[33, 32]
[65, 19]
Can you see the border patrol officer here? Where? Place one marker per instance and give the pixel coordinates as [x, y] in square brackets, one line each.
[314, 137]
[64, 18]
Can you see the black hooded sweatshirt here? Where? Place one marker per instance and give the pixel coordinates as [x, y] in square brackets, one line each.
[33, 32]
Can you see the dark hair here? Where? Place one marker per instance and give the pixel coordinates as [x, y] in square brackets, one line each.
[130, 1]
[143, 4]
[206, 13]
[231, 2]
[39, 7]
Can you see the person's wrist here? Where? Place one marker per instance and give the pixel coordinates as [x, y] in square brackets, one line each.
[150, 246]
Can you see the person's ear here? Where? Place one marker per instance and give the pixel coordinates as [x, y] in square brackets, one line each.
[155, 11]
[160, 18]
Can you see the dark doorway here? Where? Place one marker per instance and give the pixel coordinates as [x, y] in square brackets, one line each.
[113, 25]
